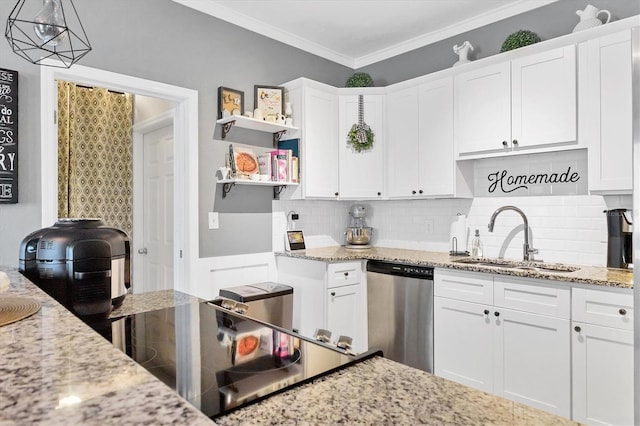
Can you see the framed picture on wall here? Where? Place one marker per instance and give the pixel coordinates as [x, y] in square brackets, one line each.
[230, 102]
[269, 99]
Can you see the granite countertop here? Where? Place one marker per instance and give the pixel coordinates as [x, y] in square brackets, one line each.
[383, 392]
[593, 275]
[53, 355]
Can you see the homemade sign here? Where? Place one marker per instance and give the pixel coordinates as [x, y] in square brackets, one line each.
[563, 173]
[8, 136]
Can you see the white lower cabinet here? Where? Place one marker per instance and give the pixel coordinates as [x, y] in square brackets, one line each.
[327, 295]
[344, 308]
[602, 360]
[514, 342]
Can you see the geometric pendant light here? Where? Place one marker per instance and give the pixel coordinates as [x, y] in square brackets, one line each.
[40, 29]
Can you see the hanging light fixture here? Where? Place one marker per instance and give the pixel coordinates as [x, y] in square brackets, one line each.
[38, 30]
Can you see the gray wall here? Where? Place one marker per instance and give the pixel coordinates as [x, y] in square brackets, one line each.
[553, 20]
[163, 41]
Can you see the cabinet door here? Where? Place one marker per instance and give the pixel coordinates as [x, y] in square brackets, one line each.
[463, 343]
[607, 120]
[544, 98]
[361, 173]
[533, 360]
[483, 109]
[345, 314]
[307, 277]
[320, 154]
[403, 161]
[436, 159]
[602, 375]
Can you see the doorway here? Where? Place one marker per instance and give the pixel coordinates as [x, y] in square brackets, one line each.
[153, 176]
[185, 151]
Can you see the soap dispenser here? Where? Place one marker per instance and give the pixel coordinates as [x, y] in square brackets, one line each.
[476, 245]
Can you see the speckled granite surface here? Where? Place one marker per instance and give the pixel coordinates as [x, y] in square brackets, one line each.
[51, 356]
[621, 278]
[145, 302]
[383, 392]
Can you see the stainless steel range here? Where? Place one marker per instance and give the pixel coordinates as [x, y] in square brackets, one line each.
[219, 360]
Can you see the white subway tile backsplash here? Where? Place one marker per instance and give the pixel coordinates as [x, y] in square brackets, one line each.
[566, 229]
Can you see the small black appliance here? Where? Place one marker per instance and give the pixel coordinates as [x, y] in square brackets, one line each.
[619, 242]
[82, 263]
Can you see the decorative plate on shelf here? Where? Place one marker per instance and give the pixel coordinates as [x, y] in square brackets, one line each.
[246, 161]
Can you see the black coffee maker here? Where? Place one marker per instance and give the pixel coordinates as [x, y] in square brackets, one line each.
[619, 248]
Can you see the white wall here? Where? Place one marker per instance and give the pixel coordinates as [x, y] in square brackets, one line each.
[567, 229]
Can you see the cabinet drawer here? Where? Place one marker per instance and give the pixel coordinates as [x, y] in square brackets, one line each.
[534, 296]
[339, 274]
[601, 307]
[460, 285]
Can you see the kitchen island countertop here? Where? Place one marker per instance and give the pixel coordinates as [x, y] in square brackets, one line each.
[590, 275]
[51, 356]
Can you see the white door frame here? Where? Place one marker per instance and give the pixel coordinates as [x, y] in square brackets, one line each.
[139, 130]
[185, 130]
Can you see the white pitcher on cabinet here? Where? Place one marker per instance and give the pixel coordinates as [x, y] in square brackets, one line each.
[589, 18]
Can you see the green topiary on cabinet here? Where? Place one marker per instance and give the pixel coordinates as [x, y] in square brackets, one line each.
[518, 39]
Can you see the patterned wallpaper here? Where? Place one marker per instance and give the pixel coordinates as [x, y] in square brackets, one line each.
[95, 155]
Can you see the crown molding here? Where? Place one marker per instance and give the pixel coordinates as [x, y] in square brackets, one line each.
[229, 15]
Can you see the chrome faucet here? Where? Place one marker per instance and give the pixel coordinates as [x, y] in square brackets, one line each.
[527, 250]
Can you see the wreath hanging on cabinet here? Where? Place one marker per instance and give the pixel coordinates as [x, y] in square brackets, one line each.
[360, 137]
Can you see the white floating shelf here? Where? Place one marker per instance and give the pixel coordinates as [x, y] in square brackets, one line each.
[227, 184]
[252, 124]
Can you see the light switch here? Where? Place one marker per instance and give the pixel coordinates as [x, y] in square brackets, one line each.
[214, 221]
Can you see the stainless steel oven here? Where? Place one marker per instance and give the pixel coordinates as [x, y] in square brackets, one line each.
[400, 312]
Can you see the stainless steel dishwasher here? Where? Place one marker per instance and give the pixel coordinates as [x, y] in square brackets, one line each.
[400, 312]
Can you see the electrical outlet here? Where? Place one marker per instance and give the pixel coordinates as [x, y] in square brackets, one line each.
[428, 226]
[214, 220]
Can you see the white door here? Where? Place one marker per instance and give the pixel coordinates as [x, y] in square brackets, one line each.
[544, 98]
[608, 121]
[602, 375]
[156, 256]
[361, 173]
[344, 314]
[533, 360]
[402, 127]
[437, 165]
[463, 342]
[320, 156]
[483, 109]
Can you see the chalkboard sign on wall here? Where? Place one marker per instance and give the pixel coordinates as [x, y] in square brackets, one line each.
[8, 136]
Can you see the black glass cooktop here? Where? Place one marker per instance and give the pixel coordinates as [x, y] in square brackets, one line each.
[217, 360]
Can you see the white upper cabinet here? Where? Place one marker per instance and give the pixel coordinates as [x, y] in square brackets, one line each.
[437, 162]
[606, 111]
[543, 94]
[315, 112]
[403, 151]
[525, 105]
[420, 151]
[361, 174]
[483, 109]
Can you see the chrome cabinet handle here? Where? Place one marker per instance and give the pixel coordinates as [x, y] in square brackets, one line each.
[142, 251]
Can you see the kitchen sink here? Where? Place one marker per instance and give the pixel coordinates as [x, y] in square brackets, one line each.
[518, 265]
